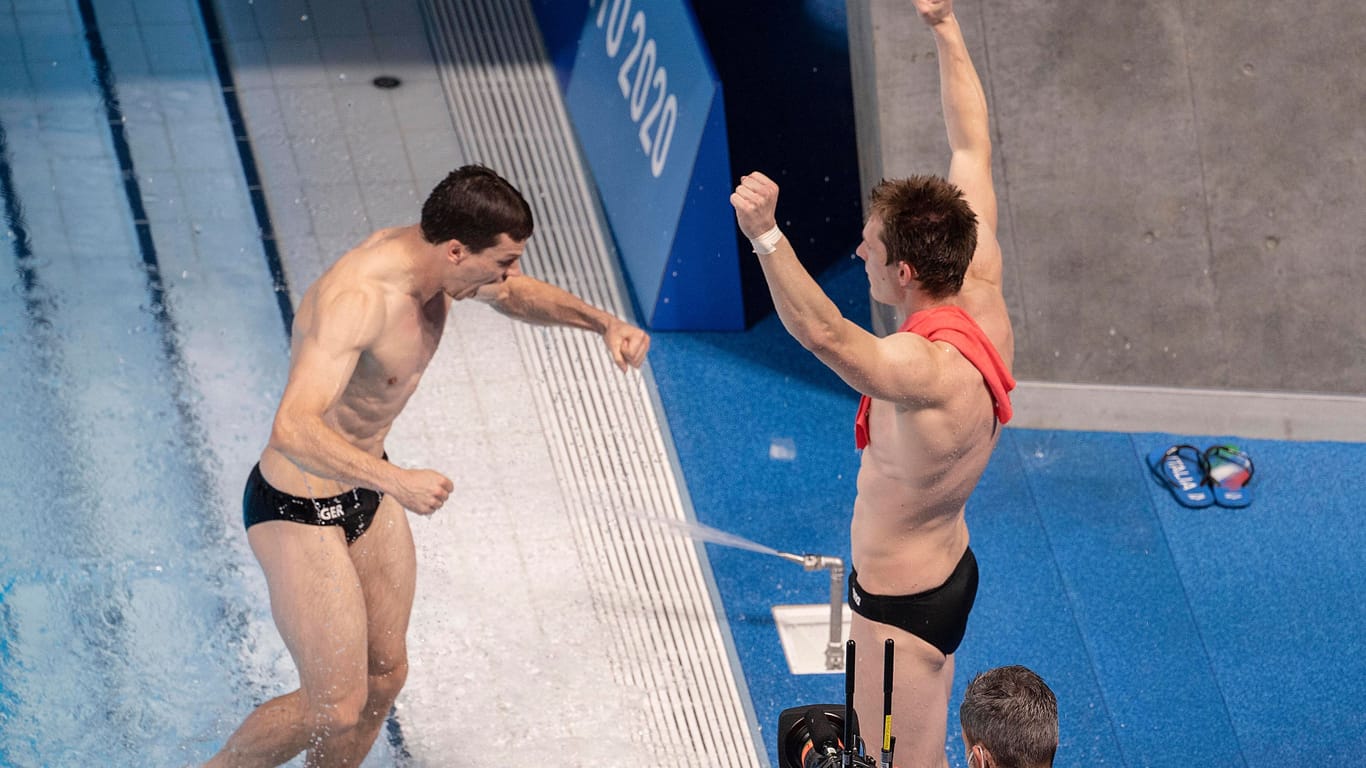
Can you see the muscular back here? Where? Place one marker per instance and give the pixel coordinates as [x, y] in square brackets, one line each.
[362, 339]
[926, 455]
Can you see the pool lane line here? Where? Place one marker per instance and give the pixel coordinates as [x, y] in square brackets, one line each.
[394, 733]
[228, 89]
[35, 304]
[156, 288]
[190, 431]
[113, 112]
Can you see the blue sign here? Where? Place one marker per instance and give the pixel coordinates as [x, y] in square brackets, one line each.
[646, 104]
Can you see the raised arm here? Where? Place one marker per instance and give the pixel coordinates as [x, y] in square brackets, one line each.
[525, 298]
[965, 118]
[901, 368]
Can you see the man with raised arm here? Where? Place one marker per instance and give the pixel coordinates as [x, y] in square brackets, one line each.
[324, 508]
[935, 395]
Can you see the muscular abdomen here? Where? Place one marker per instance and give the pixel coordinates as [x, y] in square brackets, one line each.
[908, 530]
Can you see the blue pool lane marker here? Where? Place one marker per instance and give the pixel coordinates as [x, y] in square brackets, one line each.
[228, 89]
[34, 302]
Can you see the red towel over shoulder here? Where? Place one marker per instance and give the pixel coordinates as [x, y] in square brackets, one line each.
[953, 325]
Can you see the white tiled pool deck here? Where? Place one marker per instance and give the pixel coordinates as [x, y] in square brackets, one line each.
[549, 621]
[543, 619]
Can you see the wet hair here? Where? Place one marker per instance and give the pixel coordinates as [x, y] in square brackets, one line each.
[927, 223]
[1013, 714]
[475, 205]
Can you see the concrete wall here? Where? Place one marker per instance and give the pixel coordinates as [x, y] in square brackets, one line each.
[1182, 184]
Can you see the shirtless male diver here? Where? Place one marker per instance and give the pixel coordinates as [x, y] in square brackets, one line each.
[324, 509]
[935, 397]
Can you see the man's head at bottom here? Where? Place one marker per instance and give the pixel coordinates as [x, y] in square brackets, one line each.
[1010, 720]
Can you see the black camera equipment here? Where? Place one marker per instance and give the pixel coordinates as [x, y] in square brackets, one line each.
[827, 735]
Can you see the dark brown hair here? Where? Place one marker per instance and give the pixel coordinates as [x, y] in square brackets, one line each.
[475, 205]
[1013, 714]
[928, 224]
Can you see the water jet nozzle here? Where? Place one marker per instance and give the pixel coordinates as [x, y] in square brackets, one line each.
[822, 562]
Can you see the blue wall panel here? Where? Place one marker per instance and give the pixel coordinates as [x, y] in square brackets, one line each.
[645, 102]
[702, 279]
[786, 109]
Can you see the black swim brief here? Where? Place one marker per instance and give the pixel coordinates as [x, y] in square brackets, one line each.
[353, 510]
[939, 616]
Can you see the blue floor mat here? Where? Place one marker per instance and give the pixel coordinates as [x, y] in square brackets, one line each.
[1172, 636]
[1277, 590]
[1125, 595]
[1022, 595]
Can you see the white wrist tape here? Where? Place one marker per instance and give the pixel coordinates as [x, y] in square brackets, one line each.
[767, 242]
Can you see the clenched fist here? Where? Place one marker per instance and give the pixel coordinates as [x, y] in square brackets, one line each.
[755, 201]
[422, 490]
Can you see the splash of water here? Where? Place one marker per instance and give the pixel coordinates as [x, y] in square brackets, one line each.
[699, 532]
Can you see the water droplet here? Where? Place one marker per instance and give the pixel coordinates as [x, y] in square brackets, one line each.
[1272, 243]
[1149, 237]
[1248, 69]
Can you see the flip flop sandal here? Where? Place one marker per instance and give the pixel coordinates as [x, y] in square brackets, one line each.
[1230, 472]
[1182, 470]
